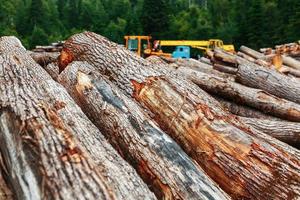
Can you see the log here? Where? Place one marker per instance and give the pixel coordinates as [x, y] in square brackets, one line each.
[288, 132]
[251, 52]
[291, 62]
[226, 153]
[252, 97]
[162, 164]
[243, 110]
[246, 163]
[53, 70]
[44, 58]
[205, 60]
[156, 60]
[44, 126]
[225, 69]
[5, 191]
[226, 57]
[270, 81]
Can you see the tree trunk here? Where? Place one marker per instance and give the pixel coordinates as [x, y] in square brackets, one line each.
[288, 132]
[225, 69]
[245, 166]
[243, 110]
[270, 81]
[44, 58]
[42, 126]
[53, 70]
[291, 62]
[251, 52]
[244, 162]
[5, 191]
[241, 94]
[161, 163]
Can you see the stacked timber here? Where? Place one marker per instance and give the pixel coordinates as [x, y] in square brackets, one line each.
[104, 123]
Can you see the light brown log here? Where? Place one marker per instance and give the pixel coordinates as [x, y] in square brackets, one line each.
[53, 70]
[270, 81]
[251, 52]
[162, 164]
[226, 57]
[288, 132]
[291, 62]
[47, 141]
[242, 94]
[245, 162]
[205, 60]
[243, 110]
[245, 56]
[156, 60]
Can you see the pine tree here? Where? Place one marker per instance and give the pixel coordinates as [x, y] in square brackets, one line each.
[155, 18]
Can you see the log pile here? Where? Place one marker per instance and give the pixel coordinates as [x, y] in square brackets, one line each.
[104, 123]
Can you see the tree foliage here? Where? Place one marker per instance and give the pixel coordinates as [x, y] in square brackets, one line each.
[256, 23]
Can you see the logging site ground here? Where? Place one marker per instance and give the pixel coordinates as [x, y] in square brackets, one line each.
[150, 99]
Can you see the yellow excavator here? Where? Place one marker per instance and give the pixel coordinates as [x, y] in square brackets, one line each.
[143, 47]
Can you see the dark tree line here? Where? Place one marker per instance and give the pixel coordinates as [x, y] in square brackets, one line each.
[256, 23]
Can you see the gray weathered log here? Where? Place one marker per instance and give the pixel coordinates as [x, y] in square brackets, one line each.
[225, 69]
[53, 70]
[5, 191]
[270, 81]
[163, 165]
[42, 123]
[291, 62]
[246, 163]
[288, 132]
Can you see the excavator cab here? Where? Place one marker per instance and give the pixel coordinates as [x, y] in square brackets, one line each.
[138, 44]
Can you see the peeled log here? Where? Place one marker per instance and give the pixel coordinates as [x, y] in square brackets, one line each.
[288, 132]
[241, 94]
[244, 162]
[245, 166]
[270, 81]
[291, 62]
[49, 118]
[163, 165]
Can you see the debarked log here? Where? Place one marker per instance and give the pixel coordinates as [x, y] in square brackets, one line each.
[162, 164]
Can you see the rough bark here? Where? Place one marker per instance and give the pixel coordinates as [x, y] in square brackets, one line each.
[243, 110]
[250, 96]
[5, 191]
[225, 69]
[205, 60]
[226, 57]
[245, 166]
[156, 60]
[161, 163]
[288, 132]
[53, 70]
[40, 122]
[270, 81]
[44, 58]
[246, 163]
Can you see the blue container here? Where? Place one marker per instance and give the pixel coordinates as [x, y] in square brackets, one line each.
[181, 52]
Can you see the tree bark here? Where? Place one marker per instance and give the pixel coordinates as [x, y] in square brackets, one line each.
[44, 58]
[225, 69]
[288, 132]
[57, 144]
[245, 162]
[241, 94]
[53, 70]
[270, 81]
[243, 110]
[251, 52]
[243, 165]
[161, 163]
[291, 62]
[5, 191]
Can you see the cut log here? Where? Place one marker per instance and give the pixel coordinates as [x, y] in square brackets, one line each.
[5, 191]
[39, 122]
[226, 57]
[227, 154]
[291, 62]
[205, 60]
[246, 163]
[44, 58]
[241, 94]
[243, 110]
[161, 162]
[270, 81]
[156, 60]
[251, 52]
[53, 70]
[225, 69]
[245, 56]
[288, 132]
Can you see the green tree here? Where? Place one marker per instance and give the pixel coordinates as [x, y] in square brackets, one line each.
[38, 37]
[155, 18]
